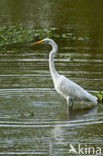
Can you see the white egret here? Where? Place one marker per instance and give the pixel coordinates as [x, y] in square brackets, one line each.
[64, 86]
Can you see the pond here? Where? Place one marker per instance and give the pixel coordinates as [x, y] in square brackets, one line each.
[33, 116]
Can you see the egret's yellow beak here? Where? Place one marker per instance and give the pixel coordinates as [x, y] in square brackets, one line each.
[39, 42]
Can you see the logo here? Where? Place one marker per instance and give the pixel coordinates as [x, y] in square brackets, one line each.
[85, 150]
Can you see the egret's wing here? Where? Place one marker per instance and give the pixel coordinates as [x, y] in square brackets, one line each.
[70, 88]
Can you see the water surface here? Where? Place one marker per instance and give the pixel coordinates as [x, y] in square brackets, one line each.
[33, 116]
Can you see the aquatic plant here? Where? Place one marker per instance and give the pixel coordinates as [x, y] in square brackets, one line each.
[71, 58]
[70, 36]
[99, 95]
[73, 36]
[17, 34]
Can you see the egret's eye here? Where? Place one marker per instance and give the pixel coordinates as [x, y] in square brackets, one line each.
[47, 42]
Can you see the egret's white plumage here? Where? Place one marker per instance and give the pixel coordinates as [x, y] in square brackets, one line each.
[63, 85]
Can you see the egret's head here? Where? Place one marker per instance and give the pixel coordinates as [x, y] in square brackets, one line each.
[46, 40]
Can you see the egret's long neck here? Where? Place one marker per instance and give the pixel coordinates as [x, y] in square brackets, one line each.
[52, 54]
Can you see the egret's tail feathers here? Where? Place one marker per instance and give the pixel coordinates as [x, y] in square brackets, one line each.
[93, 99]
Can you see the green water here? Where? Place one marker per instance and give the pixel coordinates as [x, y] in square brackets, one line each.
[33, 116]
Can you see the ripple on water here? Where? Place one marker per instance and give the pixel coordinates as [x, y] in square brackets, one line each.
[34, 118]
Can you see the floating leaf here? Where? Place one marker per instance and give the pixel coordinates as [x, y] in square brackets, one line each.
[99, 95]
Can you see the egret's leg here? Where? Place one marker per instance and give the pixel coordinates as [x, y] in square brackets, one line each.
[69, 102]
[70, 107]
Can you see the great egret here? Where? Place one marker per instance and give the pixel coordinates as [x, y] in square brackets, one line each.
[63, 85]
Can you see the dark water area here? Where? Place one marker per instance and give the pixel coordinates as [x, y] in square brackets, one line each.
[33, 116]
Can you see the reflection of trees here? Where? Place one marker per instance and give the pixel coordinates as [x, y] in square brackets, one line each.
[83, 16]
[30, 12]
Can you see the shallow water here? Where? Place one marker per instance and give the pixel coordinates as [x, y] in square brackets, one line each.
[33, 116]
